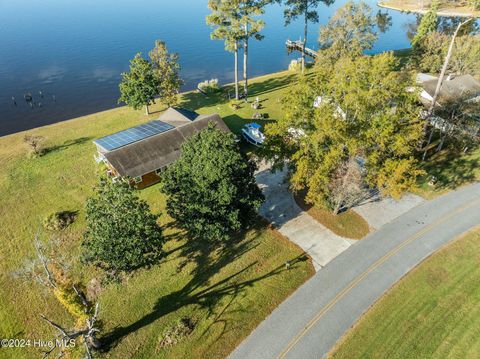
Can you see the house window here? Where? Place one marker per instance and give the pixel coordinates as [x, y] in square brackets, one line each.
[137, 179]
[159, 171]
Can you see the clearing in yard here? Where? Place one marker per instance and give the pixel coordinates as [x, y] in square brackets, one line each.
[434, 312]
[225, 292]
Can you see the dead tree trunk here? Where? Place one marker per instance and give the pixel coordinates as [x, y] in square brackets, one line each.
[431, 110]
[88, 333]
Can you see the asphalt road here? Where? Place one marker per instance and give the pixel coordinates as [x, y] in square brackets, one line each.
[315, 317]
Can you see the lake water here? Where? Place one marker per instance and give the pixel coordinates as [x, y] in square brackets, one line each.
[74, 51]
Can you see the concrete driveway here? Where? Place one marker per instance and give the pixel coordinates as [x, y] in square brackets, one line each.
[379, 211]
[281, 210]
[310, 322]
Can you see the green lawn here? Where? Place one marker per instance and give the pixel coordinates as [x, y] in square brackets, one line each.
[434, 312]
[226, 293]
[451, 170]
[347, 224]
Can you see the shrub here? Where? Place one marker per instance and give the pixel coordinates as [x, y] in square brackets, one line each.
[34, 144]
[295, 65]
[209, 86]
[59, 220]
[67, 296]
[182, 329]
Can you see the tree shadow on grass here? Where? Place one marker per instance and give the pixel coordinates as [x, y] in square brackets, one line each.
[65, 145]
[273, 84]
[199, 290]
[194, 100]
[236, 122]
[452, 170]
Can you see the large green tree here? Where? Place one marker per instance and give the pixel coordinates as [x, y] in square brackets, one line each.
[225, 19]
[211, 188]
[122, 234]
[350, 32]
[365, 114]
[138, 87]
[307, 9]
[166, 72]
[430, 53]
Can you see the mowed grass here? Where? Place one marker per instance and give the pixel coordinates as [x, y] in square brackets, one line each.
[434, 312]
[227, 292]
[451, 168]
[348, 224]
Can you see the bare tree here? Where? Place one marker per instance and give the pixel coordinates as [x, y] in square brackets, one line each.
[88, 333]
[39, 269]
[431, 110]
[347, 186]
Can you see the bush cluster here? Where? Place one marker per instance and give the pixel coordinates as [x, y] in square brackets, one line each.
[209, 86]
[182, 329]
[59, 220]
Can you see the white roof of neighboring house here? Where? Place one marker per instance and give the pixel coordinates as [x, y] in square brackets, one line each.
[421, 78]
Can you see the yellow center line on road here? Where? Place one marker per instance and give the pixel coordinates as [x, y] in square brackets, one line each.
[370, 269]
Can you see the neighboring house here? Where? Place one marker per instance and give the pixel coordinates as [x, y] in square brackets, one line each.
[454, 89]
[463, 87]
[143, 152]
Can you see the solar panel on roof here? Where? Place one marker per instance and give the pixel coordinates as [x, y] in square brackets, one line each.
[133, 134]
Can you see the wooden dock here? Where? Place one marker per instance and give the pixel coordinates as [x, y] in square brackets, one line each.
[298, 46]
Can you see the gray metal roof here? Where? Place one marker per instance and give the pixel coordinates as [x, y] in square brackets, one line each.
[460, 87]
[176, 116]
[158, 151]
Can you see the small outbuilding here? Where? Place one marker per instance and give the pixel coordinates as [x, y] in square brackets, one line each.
[143, 152]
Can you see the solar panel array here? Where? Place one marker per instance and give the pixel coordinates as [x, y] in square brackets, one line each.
[132, 135]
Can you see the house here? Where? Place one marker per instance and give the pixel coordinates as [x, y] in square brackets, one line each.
[463, 87]
[143, 152]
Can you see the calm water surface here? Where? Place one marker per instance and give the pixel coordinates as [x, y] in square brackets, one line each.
[74, 51]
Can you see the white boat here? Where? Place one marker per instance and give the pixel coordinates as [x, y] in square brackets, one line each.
[251, 133]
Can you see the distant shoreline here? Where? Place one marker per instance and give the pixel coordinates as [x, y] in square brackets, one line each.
[446, 12]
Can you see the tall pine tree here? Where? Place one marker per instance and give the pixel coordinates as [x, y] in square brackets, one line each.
[225, 18]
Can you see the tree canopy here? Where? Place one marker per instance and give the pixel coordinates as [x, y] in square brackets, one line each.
[252, 25]
[121, 234]
[350, 31]
[430, 53]
[166, 72]
[428, 24]
[138, 87]
[225, 19]
[364, 114]
[211, 188]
